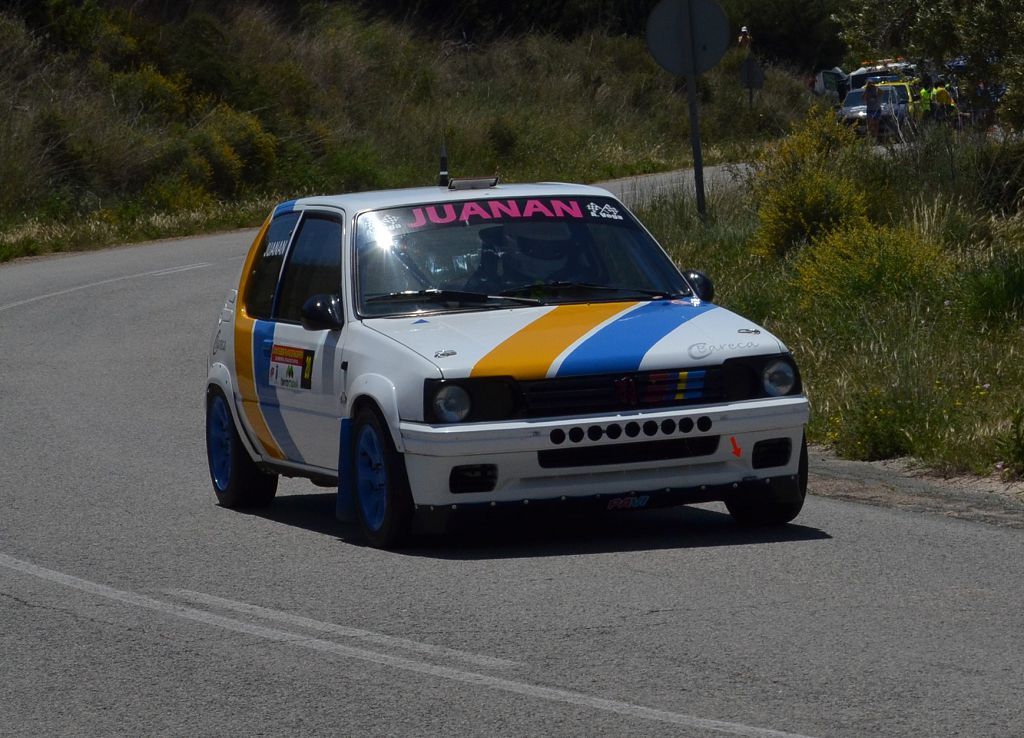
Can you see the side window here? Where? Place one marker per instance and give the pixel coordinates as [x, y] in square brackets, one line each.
[259, 295]
[314, 265]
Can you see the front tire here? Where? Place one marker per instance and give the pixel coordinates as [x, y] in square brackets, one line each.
[237, 481]
[379, 482]
[768, 512]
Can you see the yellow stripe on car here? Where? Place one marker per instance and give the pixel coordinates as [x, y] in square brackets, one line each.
[244, 358]
[530, 352]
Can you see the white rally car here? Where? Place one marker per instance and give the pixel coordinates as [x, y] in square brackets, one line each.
[480, 344]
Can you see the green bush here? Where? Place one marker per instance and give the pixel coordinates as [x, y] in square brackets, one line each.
[198, 49]
[952, 221]
[148, 93]
[1001, 171]
[815, 142]
[874, 425]
[993, 283]
[1010, 447]
[240, 153]
[808, 207]
[861, 264]
[20, 172]
[802, 191]
[176, 193]
[352, 168]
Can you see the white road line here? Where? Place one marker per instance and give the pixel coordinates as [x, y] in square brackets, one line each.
[78, 288]
[418, 667]
[365, 635]
[176, 270]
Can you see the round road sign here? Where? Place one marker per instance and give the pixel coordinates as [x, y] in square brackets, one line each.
[687, 37]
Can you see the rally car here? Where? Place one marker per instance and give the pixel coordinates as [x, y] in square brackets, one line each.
[484, 344]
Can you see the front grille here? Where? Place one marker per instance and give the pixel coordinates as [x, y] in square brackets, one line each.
[614, 392]
[628, 453]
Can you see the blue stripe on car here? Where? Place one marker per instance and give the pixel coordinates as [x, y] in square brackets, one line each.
[621, 345]
[262, 346]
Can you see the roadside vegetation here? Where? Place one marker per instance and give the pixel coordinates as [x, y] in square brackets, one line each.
[897, 279]
[117, 126]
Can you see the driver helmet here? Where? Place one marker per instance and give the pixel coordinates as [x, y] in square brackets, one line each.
[540, 250]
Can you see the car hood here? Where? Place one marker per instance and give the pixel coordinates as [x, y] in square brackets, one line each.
[575, 339]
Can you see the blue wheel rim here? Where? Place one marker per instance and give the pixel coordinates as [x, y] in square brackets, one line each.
[218, 442]
[371, 477]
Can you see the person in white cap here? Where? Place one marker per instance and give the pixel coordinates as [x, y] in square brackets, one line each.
[745, 41]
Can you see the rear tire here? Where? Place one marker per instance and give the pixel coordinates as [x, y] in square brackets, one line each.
[380, 484]
[767, 512]
[237, 481]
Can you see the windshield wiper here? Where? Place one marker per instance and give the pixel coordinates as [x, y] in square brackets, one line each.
[438, 295]
[560, 285]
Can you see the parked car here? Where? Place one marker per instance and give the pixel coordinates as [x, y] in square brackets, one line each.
[884, 69]
[908, 100]
[482, 344]
[854, 111]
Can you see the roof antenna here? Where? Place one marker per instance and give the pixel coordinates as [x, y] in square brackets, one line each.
[442, 177]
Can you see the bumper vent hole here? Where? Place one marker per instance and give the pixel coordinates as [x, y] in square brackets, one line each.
[771, 453]
[473, 478]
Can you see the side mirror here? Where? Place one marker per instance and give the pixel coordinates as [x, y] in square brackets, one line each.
[322, 313]
[701, 283]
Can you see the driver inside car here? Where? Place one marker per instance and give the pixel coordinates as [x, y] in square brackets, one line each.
[525, 254]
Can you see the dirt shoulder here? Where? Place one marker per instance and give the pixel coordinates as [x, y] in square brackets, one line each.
[902, 484]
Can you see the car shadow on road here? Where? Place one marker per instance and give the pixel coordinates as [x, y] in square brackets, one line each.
[496, 534]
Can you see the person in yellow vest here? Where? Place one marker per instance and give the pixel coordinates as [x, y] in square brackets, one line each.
[945, 108]
[925, 104]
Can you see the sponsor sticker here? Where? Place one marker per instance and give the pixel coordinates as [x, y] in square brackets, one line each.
[291, 367]
[484, 210]
[703, 350]
[630, 502]
[275, 248]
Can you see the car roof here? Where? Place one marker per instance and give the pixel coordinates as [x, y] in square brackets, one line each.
[875, 68]
[377, 199]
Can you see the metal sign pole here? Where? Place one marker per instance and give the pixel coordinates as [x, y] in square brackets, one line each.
[691, 97]
[688, 37]
[698, 159]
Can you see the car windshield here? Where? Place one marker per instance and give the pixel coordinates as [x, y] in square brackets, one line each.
[507, 252]
[900, 91]
[856, 97]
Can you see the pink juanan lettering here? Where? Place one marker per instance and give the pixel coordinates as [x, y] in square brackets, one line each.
[494, 209]
[509, 208]
[567, 208]
[449, 214]
[471, 209]
[419, 221]
[536, 206]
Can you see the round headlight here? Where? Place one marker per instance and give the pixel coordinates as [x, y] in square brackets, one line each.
[778, 378]
[451, 403]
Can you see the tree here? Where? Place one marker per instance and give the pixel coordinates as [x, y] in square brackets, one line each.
[801, 33]
[984, 35]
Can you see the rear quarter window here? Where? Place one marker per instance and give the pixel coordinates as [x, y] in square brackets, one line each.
[266, 269]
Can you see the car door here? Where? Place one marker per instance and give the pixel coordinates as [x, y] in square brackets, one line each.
[296, 369]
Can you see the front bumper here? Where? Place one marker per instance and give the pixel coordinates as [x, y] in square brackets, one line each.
[669, 456]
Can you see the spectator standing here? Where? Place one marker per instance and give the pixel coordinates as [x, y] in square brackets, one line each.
[745, 40]
[873, 103]
[927, 98]
[942, 101]
[981, 104]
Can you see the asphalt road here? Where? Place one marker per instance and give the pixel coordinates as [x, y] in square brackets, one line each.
[130, 604]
